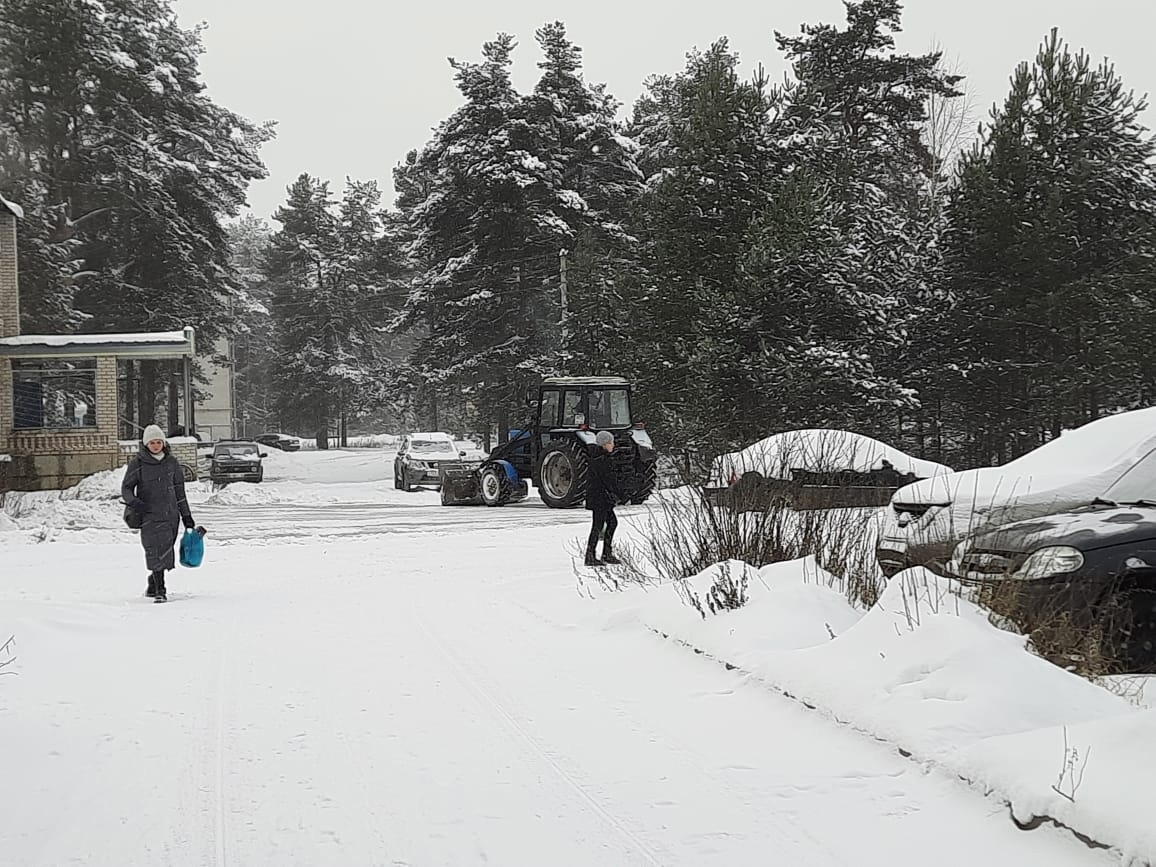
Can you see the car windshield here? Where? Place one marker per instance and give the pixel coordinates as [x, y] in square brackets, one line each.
[609, 407]
[1138, 483]
[429, 446]
[236, 450]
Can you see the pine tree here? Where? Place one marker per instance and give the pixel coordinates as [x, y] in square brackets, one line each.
[127, 167]
[333, 288]
[703, 135]
[1052, 244]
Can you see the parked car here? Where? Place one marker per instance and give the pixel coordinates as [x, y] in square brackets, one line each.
[420, 457]
[926, 520]
[1100, 557]
[236, 461]
[284, 442]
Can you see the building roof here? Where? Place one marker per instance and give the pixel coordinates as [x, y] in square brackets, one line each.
[586, 380]
[12, 208]
[157, 344]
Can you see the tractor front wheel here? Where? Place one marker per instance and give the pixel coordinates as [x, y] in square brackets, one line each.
[562, 474]
[495, 486]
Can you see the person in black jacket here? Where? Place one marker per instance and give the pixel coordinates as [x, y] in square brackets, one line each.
[602, 494]
[154, 487]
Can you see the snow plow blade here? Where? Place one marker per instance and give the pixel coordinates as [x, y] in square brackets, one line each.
[460, 487]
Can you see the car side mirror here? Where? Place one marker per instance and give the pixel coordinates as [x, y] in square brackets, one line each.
[461, 454]
[263, 454]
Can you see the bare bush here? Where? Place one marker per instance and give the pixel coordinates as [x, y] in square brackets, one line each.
[728, 593]
[686, 532]
[8, 655]
[1088, 638]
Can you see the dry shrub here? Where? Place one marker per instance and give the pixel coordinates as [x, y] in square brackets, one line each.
[1087, 638]
[686, 532]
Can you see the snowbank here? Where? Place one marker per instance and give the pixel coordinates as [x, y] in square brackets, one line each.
[925, 670]
[818, 451]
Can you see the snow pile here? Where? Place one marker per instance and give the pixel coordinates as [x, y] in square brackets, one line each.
[817, 451]
[243, 494]
[924, 669]
[790, 605]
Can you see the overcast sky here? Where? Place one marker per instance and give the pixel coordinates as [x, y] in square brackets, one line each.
[354, 84]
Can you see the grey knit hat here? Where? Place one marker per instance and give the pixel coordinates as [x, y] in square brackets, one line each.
[604, 437]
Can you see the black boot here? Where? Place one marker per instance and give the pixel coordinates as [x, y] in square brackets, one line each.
[591, 557]
[162, 595]
[608, 554]
[152, 588]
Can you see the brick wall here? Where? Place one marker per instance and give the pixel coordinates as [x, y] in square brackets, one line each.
[9, 317]
[9, 296]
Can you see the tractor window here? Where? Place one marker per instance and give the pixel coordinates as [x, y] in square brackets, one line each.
[571, 408]
[550, 403]
[609, 408]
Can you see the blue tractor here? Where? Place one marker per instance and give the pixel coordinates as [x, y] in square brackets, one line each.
[553, 450]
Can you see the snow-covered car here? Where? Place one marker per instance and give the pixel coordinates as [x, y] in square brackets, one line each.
[420, 457]
[821, 457]
[928, 519]
[284, 442]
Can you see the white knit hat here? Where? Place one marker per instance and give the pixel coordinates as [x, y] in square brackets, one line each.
[153, 432]
[604, 437]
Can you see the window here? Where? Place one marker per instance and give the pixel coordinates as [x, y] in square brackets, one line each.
[609, 408]
[51, 395]
[571, 408]
[429, 447]
[550, 403]
[235, 450]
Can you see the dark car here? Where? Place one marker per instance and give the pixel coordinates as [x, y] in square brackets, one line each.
[281, 441]
[1080, 564]
[236, 461]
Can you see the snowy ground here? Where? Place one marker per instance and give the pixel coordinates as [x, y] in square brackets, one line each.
[357, 676]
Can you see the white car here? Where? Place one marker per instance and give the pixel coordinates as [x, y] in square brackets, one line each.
[927, 519]
[420, 457]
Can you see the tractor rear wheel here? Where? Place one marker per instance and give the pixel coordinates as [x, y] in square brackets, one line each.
[495, 486]
[649, 483]
[562, 474]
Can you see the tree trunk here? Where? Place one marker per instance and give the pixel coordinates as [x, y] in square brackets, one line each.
[503, 425]
[174, 405]
[147, 394]
[129, 407]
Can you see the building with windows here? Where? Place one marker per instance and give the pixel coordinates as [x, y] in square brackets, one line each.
[59, 402]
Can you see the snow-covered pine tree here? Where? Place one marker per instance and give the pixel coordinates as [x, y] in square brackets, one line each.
[127, 168]
[487, 211]
[703, 138]
[593, 181]
[254, 351]
[1051, 252]
[333, 292]
[841, 255]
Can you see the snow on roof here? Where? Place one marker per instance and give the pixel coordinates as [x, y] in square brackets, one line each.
[57, 340]
[431, 435]
[818, 450]
[12, 208]
[585, 380]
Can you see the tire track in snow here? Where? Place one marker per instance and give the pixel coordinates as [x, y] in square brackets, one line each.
[463, 673]
[220, 854]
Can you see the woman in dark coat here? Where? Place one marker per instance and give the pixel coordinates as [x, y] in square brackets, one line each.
[154, 487]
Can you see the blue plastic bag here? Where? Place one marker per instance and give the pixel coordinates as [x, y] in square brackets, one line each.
[192, 549]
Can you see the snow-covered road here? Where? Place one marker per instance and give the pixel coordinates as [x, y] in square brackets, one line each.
[359, 677]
